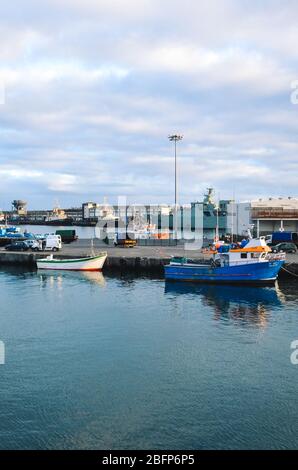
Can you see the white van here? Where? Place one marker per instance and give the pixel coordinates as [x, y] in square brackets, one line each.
[53, 243]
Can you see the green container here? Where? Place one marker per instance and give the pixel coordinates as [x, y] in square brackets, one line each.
[67, 236]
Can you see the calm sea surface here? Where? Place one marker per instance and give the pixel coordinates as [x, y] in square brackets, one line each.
[97, 362]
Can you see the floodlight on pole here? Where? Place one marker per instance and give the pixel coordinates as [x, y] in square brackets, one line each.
[175, 138]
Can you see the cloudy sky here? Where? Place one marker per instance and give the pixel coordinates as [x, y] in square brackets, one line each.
[94, 87]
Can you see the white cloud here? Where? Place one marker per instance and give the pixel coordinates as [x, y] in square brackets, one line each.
[94, 88]
[19, 174]
[68, 71]
[62, 183]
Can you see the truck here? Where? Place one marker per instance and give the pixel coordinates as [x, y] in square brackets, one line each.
[67, 236]
[124, 239]
[281, 237]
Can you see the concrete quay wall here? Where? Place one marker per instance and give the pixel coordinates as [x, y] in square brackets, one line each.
[123, 260]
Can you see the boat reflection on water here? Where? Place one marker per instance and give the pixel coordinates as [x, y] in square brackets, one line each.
[245, 305]
[56, 278]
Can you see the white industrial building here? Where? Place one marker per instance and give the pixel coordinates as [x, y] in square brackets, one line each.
[264, 216]
[239, 218]
[274, 214]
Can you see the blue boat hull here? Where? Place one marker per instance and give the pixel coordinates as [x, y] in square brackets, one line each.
[261, 272]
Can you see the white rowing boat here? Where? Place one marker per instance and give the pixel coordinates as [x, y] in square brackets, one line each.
[90, 263]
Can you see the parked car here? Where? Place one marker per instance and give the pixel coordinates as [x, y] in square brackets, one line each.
[34, 245]
[281, 237]
[17, 246]
[286, 247]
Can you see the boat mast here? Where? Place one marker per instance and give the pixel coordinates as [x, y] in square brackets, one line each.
[217, 221]
[232, 224]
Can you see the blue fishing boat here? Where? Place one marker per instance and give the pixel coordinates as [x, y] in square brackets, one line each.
[250, 263]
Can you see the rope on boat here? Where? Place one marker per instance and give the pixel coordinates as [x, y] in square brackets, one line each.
[289, 272]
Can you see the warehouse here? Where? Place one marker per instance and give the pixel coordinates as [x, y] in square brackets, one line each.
[273, 214]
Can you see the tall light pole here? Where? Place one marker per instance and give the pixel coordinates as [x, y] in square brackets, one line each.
[175, 138]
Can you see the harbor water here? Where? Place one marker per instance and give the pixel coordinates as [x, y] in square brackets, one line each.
[95, 362]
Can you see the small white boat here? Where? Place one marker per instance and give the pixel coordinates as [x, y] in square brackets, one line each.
[90, 263]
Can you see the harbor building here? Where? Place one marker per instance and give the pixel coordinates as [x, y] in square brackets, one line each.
[19, 216]
[94, 211]
[223, 218]
[274, 214]
[239, 218]
[263, 216]
[156, 214]
[74, 213]
[90, 210]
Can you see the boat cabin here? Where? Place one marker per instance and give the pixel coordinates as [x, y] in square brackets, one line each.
[256, 250]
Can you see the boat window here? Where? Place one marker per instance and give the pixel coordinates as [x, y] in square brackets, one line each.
[243, 255]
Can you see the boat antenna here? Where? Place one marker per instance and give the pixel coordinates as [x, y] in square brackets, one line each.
[92, 248]
[249, 233]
